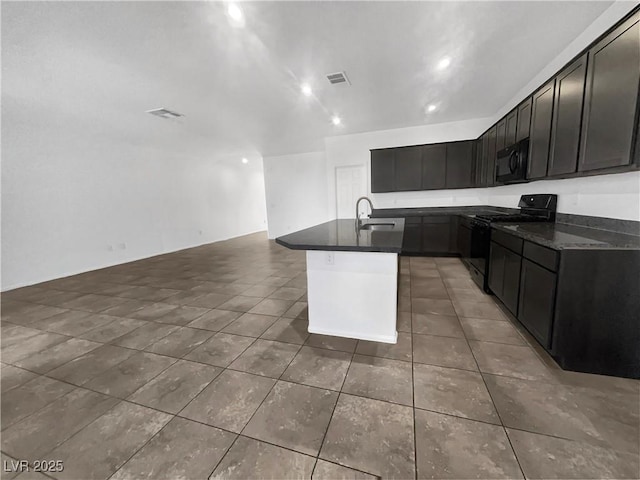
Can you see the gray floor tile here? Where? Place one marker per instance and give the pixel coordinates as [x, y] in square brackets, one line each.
[293, 416]
[372, 436]
[332, 343]
[401, 350]
[92, 303]
[443, 351]
[208, 300]
[491, 331]
[262, 291]
[240, 303]
[13, 377]
[510, 360]
[144, 336]
[38, 434]
[250, 325]
[432, 306]
[121, 432]
[115, 328]
[154, 311]
[270, 306]
[182, 449]
[126, 377]
[31, 345]
[570, 459]
[265, 357]
[319, 367]
[59, 354]
[453, 391]
[250, 458]
[182, 315]
[607, 419]
[220, 350]
[72, 323]
[381, 379]
[215, 320]
[180, 342]
[288, 330]
[82, 369]
[443, 325]
[26, 399]
[288, 293]
[330, 471]
[456, 448]
[174, 388]
[230, 400]
[404, 322]
[297, 310]
[474, 309]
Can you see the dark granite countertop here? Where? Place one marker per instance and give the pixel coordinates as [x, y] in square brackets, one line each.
[342, 235]
[563, 236]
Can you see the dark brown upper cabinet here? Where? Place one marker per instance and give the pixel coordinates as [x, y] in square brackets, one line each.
[460, 164]
[501, 134]
[567, 117]
[479, 163]
[540, 134]
[491, 156]
[610, 119]
[434, 158]
[382, 170]
[524, 120]
[408, 168]
[511, 127]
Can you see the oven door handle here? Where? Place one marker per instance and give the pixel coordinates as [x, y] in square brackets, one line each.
[514, 161]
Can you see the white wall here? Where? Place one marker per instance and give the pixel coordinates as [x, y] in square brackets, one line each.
[78, 196]
[296, 190]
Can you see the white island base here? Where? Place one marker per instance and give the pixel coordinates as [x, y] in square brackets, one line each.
[353, 294]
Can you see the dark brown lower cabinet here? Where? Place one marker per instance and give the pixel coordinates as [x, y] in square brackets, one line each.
[537, 301]
[412, 239]
[504, 275]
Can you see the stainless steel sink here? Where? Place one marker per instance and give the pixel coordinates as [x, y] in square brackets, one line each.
[378, 226]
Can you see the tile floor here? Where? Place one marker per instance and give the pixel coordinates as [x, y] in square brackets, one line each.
[198, 364]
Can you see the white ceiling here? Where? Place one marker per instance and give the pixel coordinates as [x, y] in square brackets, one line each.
[105, 63]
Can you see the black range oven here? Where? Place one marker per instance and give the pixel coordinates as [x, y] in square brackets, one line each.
[475, 231]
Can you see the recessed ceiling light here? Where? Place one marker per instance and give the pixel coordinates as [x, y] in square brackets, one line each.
[235, 12]
[336, 120]
[306, 89]
[444, 63]
[245, 161]
[431, 108]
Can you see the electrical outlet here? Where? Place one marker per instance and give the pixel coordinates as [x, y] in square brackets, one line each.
[329, 258]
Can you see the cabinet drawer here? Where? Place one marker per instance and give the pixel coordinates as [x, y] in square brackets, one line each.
[541, 255]
[506, 240]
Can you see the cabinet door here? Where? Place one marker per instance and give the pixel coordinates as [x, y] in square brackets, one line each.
[408, 168]
[496, 269]
[477, 168]
[511, 280]
[537, 301]
[567, 117]
[524, 120]
[436, 234]
[491, 157]
[611, 98]
[540, 135]
[511, 127]
[459, 164]
[434, 158]
[412, 238]
[382, 171]
[501, 134]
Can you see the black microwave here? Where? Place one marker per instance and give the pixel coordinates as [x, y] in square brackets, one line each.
[511, 163]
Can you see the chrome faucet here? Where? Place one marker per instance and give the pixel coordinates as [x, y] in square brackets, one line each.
[358, 221]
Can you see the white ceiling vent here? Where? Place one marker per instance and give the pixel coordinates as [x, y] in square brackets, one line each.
[338, 77]
[165, 113]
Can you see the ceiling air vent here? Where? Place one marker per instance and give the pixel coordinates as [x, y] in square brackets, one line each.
[338, 77]
[165, 113]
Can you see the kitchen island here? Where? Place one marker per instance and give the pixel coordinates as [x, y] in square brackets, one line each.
[352, 276]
